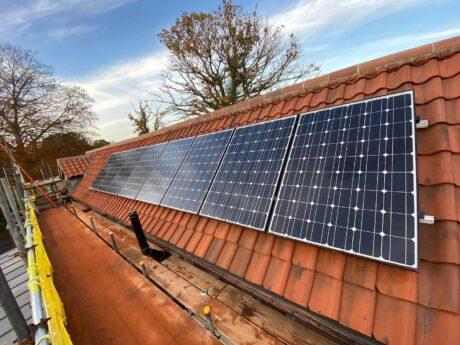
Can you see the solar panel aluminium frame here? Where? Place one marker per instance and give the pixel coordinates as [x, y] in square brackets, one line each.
[414, 267]
[213, 176]
[277, 182]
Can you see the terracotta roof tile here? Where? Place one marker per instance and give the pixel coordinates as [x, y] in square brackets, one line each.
[227, 254]
[397, 282]
[73, 167]
[361, 272]
[248, 239]
[401, 329]
[257, 268]
[440, 242]
[240, 261]
[357, 308]
[445, 294]
[426, 301]
[325, 296]
[299, 284]
[305, 256]
[283, 248]
[264, 244]
[277, 275]
[436, 327]
[214, 250]
[331, 263]
[203, 245]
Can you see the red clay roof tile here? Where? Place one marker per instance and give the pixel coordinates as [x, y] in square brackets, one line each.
[440, 242]
[283, 248]
[248, 239]
[445, 294]
[277, 275]
[325, 296]
[73, 167]
[331, 263]
[234, 233]
[357, 308]
[401, 327]
[222, 230]
[299, 284]
[360, 272]
[305, 256]
[240, 261]
[397, 282]
[226, 255]
[264, 244]
[214, 250]
[436, 327]
[203, 245]
[257, 268]
[185, 238]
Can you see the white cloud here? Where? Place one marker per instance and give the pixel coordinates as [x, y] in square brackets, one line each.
[73, 30]
[312, 17]
[15, 16]
[115, 88]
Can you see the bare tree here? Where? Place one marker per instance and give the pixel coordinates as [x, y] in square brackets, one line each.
[146, 118]
[221, 58]
[34, 104]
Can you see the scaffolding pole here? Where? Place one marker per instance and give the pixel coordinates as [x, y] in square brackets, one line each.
[13, 205]
[36, 303]
[12, 226]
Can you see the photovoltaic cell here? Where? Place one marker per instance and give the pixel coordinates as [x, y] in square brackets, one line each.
[98, 181]
[242, 191]
[350, 181]
[191, 183]
[141, 169]
[163, 173]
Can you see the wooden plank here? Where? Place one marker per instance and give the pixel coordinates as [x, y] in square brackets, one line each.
[233, 326]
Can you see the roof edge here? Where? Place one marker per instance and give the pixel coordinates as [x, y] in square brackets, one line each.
[348, 74]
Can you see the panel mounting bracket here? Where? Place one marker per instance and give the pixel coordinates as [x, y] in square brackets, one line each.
[419, 123]
[425, 219]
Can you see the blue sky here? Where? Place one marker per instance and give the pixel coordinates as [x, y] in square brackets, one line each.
[110, 47]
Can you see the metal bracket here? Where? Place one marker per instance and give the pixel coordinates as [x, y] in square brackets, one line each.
[426, 219]
[419, 123]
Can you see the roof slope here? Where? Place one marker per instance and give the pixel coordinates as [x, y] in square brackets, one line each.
[387, 303]
[73, 167]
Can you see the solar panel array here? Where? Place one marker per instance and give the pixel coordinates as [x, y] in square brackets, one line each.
[189, 187]
[348, 177]
[157, 183]
[242, 191]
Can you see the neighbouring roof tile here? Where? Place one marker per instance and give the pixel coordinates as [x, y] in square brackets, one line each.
[305, 256]
[325, 296]
[214, 250]
[401, 329]
[283, 248]
[73, 167]
[264, 244]
[240, 261]
[331, 263]
[357, 308]
[361, 272]
[257, 268]
[227, 254]
[277, 275]
[436, 327]
[440, 242]
[299, 284]
[397, 282]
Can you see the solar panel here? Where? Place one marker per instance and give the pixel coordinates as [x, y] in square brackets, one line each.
[141, 169]
[242, 191]
[109, 172]
[190, 185]
[98, 181]
[129, 159]
[164, 171]
[350, 181]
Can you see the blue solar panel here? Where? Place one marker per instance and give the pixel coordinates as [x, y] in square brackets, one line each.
[242, 191]
[190, 185]
[140, 169]
[350, 181]
[114, 163]
[159, 179]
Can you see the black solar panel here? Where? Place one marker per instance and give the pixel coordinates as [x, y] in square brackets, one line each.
[242, 191]
[109, 172]
[141, 169]
[163, 173]
[350, 181]
[190, 185]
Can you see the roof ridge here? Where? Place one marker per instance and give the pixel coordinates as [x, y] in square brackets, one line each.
[349, 75]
